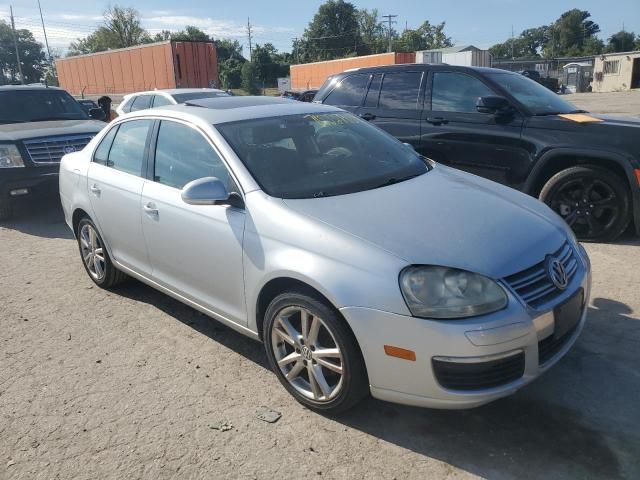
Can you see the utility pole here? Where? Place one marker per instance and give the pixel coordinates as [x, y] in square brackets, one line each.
[512, 56]
[390, 19]
[15, 44]
[46, 41]
[295, 50]
[249, 34]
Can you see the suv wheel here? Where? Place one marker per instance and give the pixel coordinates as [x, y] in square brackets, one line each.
[5, 211]
[313, 353]
[592, 200]
[94, 256]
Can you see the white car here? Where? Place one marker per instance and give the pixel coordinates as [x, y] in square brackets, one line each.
[160, 98]
[362, 266]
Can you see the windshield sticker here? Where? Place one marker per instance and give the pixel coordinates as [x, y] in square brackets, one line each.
[333, 119]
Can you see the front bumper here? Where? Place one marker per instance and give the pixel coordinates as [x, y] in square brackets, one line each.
[35, 180]
[511, 331]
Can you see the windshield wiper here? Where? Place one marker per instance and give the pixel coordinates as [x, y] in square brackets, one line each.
[6, 120]
[46, 119]
[394, 180]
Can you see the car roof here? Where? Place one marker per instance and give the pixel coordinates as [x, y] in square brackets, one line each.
[28, 87]
[173, 91]
[419, 66]
[230, 109]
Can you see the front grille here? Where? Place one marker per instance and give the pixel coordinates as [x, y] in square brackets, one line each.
[52, 149]
[534, 286]
[550, 346]
[477, 376]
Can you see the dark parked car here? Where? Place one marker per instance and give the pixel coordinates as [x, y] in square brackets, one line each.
[304, 96]
[508, 128]
[87, 104]
[38, 125]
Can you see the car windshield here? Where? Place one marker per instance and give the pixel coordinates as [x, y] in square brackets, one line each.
[320, 154]
[538, 99]
[18, 106]
[185, 97]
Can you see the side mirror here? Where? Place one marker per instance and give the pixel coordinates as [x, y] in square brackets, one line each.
[494, 105]
[209, 191]
[97, 114]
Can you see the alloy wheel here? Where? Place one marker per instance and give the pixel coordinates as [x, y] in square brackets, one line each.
[589, 205]
[307, 354]
[92, 252]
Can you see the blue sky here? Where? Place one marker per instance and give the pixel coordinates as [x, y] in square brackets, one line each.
[480, 22]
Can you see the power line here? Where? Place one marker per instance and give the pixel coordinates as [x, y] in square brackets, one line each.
[390, 20]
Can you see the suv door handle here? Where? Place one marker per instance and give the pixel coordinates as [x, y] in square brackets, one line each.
[437, 120]
[367, 116]
[150, 209]
[95, 189]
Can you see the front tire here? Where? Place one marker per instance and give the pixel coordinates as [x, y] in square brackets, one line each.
[592, 200]
[95, 257]
[313, 353]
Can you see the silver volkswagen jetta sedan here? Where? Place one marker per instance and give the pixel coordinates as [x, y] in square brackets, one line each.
[360, 265]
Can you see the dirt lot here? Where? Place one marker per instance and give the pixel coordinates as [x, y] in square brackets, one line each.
[132, 384]
[611, 103]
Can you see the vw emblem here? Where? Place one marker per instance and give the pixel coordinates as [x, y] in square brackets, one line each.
[557, 273]
[306, 352]
[69, 149]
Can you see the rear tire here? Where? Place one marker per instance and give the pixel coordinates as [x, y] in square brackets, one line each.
[95, 257]
[313, 353]
[592, 200]
[6, 211]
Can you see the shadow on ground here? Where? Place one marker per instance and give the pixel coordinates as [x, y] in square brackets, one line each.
[577, 421]
[41, 217]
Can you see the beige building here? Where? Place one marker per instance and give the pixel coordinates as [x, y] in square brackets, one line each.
[613, 72]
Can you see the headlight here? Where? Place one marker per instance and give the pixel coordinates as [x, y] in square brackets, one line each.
[440, 292]
[10, 156]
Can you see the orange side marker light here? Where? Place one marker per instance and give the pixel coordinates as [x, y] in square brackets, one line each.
[400, 353]
[638, 175]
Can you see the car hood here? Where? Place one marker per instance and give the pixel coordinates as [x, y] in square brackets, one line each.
[13, 132]
[618, 121]
[446, 217]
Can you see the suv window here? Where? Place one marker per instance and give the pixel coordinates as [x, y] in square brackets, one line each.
[102, 152]
[457, 92]
[141, 102]
[127, 151]
[400, 90]
[160, 101]
[349, 91]
[183, 155]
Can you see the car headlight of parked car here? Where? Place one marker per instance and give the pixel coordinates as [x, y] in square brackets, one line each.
[441, 292]
[10, 156]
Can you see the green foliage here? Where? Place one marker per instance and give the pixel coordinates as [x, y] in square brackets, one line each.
[425, 37]
[32, 56]
[621, 42]
[122, 28]
[572, 34]
[249, 76]
[333, 33]
[229, 49]
[270, 64]
[372, 31]
[230, 72]
[190, 33]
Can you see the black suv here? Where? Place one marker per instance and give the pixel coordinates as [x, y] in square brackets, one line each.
[508, 128]
[38, 125]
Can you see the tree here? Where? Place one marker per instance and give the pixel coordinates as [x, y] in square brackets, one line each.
[568, 34]
[425, 37]
[162, 36]
[229, 49]
[191, 33]
[333, 33]
[621, 42]
[371, 31]
[32, 56]
[593, 46]
[230, 72]
[122, 29]
[270, 64]
[250, 78]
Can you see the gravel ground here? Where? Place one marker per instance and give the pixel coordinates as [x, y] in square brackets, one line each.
[132, 384]
[626, 104]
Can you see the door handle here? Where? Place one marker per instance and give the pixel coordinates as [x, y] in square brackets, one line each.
[437, 120]
[150, 209]
[367, 116]
[95, 189]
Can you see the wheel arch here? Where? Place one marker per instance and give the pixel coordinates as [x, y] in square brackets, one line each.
[560, 159]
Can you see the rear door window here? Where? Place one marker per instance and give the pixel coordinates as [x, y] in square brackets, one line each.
[128, 149]
[160, 101]
[141, 102]
[400, 90]
[349, 91]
